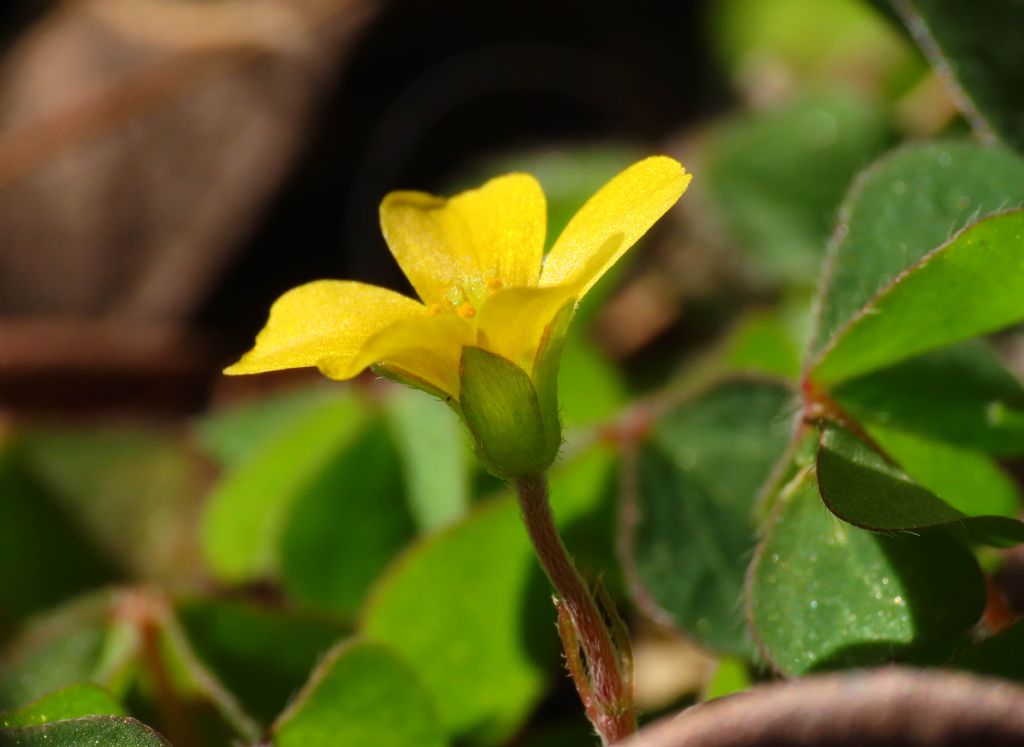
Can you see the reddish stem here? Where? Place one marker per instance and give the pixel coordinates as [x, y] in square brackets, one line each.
[604, 685]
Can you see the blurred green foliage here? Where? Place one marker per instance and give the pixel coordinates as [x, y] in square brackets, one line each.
[812, 42]
[74, 701]
[361, 694]
[775, 178]
[694, 533]
[810, 488]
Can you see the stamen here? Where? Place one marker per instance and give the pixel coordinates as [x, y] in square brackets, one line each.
[433, 309]
[466, 311]
[494, 284]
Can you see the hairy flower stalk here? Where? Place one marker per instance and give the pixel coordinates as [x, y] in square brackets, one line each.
[603, 677]
[486, 338]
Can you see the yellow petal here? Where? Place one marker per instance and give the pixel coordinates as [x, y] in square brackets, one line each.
[512, 321]
[424, 349]
[326, 320]
[459, 249]
[626, 206]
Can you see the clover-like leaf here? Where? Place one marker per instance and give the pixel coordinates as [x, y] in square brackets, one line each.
[860, 486]
[346, 524]
[902, 208]
[361, 694]
[982, 402]
[246, 512]
[975, 50]
[692, 531]
[96, 731]
[261, 654]
[971, 285]
[825, 594]
[74, 701]
[971, 482]
[70, 644]
[232, 434]
[435, 459]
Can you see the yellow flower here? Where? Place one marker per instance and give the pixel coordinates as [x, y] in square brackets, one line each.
[477, 262]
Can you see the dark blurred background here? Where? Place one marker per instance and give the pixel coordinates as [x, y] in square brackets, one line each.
[168, 168]
[430, 88]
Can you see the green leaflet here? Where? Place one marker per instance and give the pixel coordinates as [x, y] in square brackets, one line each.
[903, 207]
[861, 487]
[823, 594]
[972, 285]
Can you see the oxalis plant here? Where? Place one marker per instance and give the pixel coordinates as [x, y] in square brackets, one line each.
[486, 339]
[827, 499]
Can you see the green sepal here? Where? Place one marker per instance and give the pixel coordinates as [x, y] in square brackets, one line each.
[545, 373]
[502, 411]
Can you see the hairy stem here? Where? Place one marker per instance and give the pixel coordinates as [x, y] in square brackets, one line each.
[603, 682]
